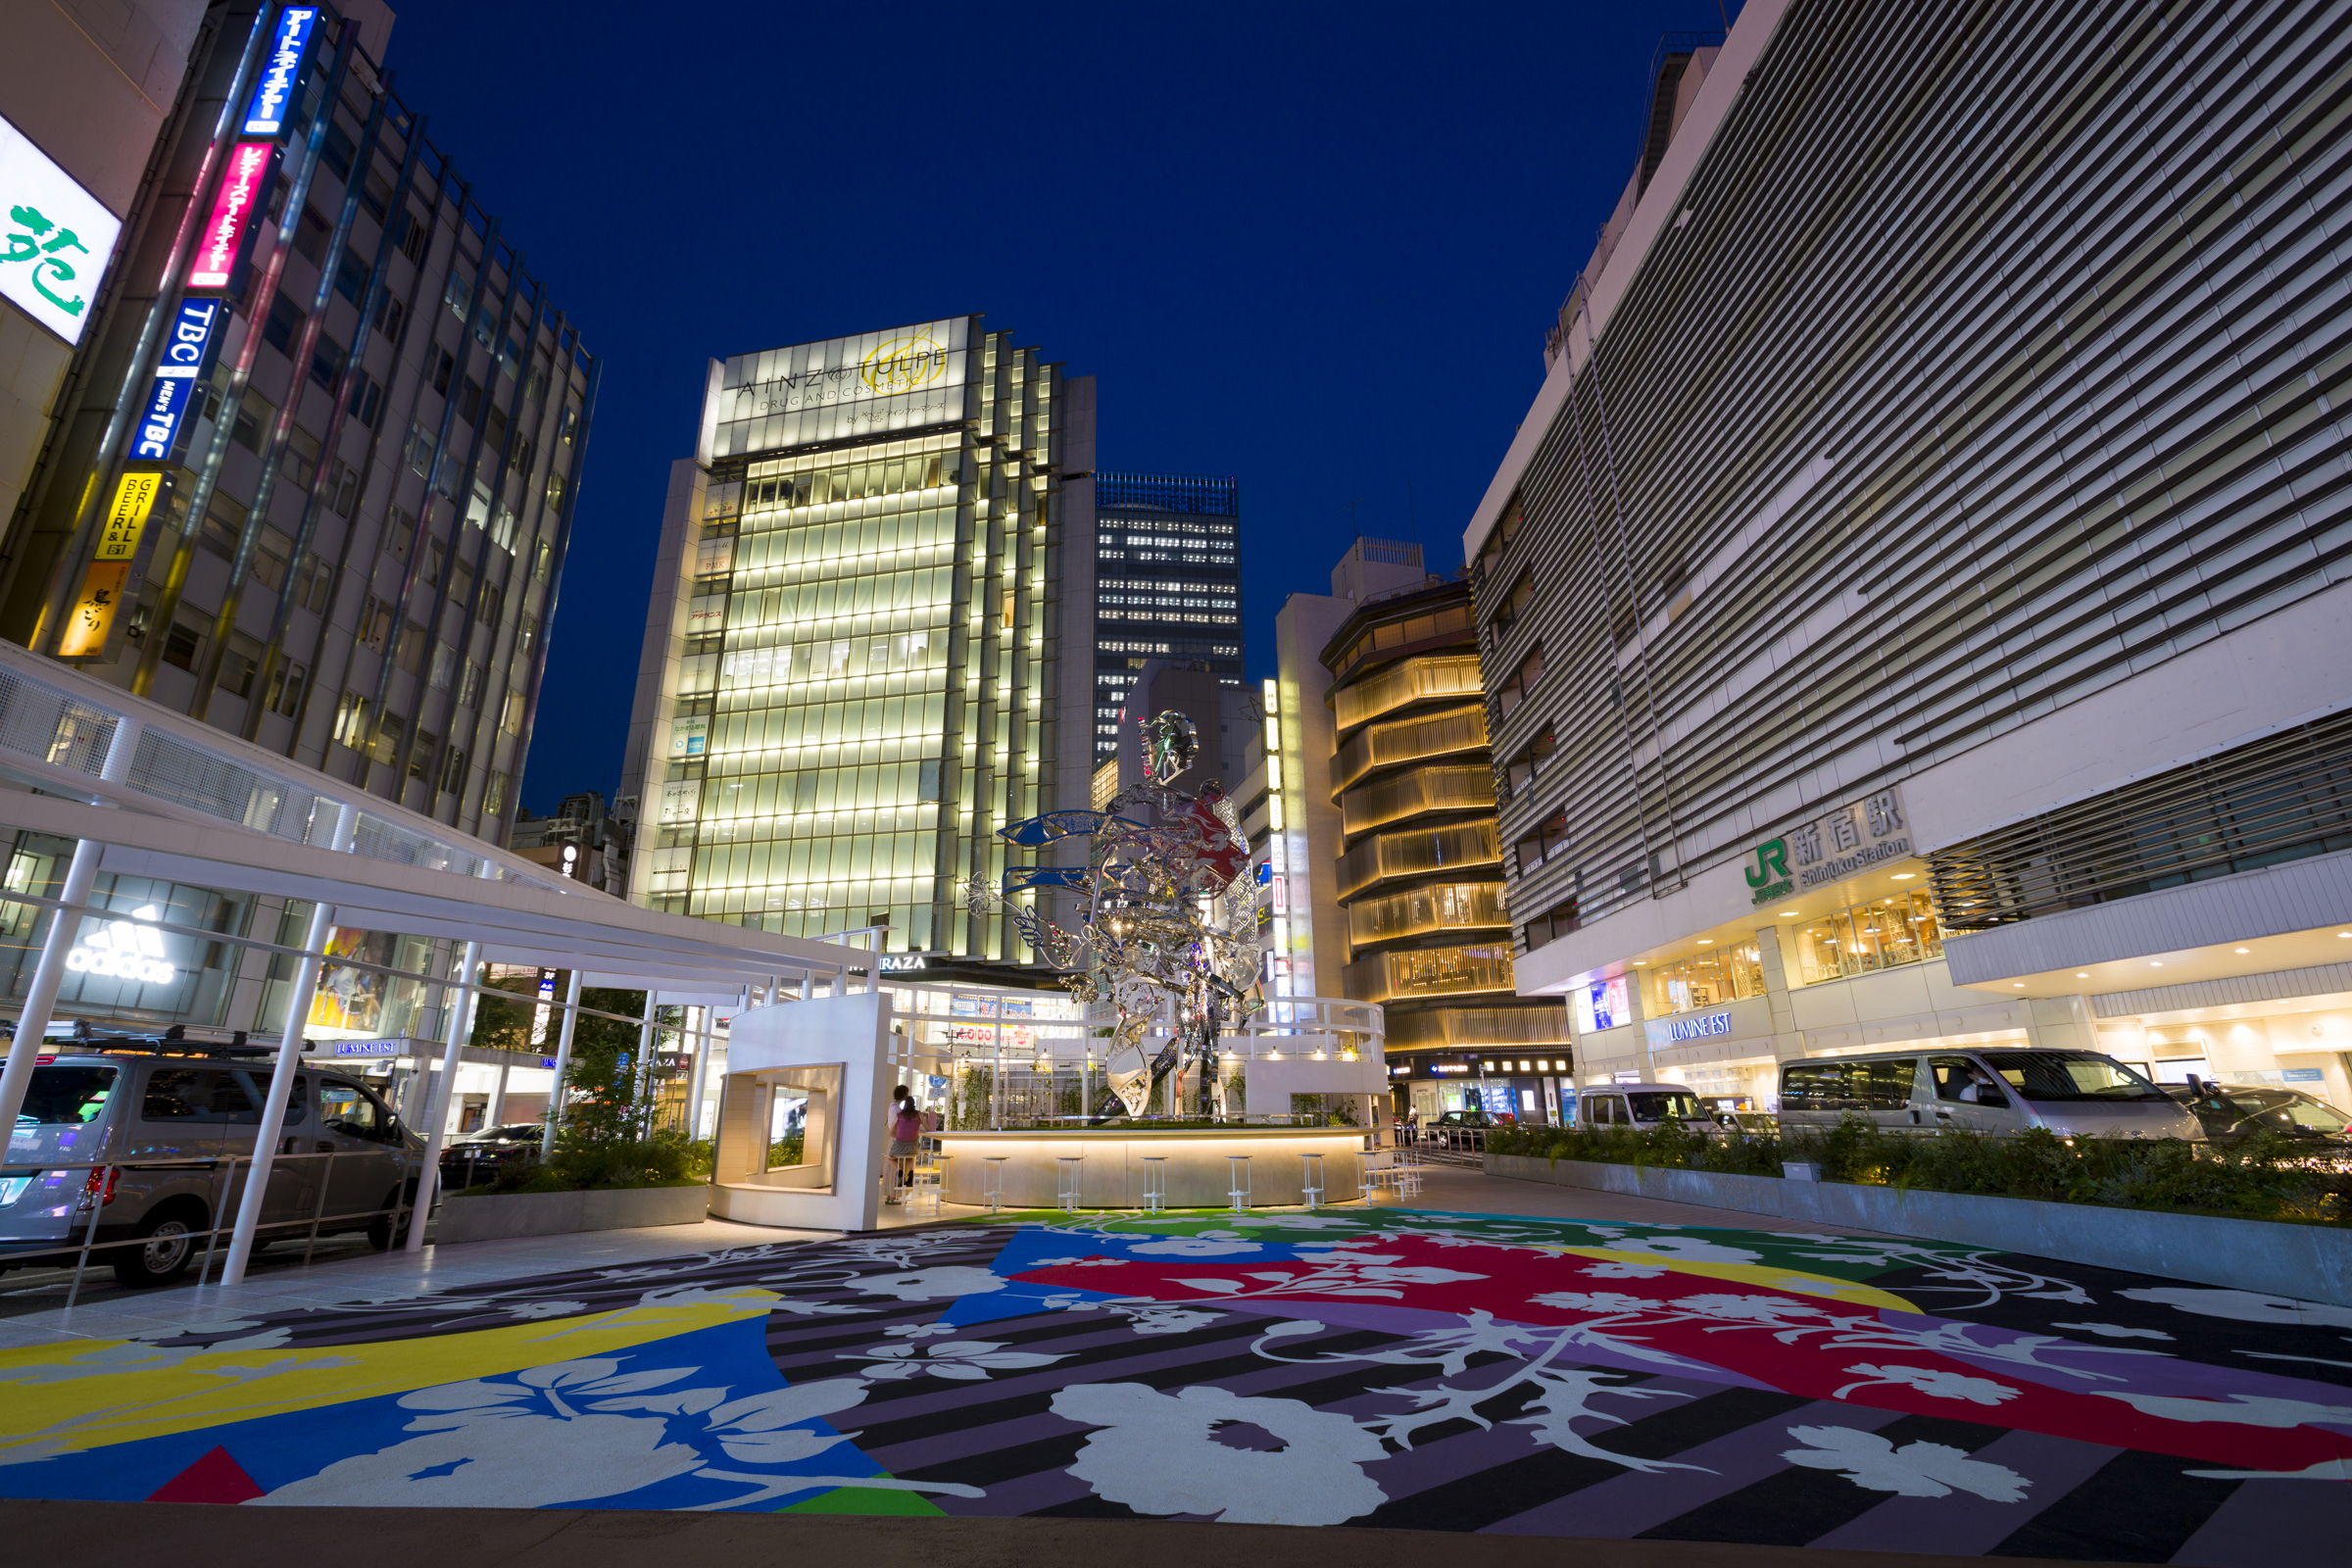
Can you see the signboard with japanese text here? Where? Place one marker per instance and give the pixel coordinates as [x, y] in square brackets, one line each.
[1832, 847]
[187, 354]
[56, 240]
[92, 616]
[282, 71]
[244, 189]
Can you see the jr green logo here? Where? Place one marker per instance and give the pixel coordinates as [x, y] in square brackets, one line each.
[1772, 864]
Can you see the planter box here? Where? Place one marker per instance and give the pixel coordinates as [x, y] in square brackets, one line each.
[2309, 1262]
[503, 1214]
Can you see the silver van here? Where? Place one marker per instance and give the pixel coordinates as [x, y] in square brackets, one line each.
[1640, 1106]
[146, 1140]
[2075, 1094]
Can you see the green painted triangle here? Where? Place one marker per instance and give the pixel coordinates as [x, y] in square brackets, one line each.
[870, 1500]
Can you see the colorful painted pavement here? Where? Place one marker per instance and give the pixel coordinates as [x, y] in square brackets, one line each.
[1397, 1368]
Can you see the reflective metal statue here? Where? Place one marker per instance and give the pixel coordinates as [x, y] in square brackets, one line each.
[1170, 928]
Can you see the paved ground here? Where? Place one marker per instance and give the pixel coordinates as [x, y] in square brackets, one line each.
[1526, 1362]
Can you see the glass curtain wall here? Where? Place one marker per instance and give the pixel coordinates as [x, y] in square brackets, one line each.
[862, 698]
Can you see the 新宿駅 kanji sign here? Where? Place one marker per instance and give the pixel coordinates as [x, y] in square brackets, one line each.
[1832, 847]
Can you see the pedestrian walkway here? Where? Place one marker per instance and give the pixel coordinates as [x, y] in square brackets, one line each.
[1503, 1359]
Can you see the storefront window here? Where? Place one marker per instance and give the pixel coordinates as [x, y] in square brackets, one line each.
[1707, 980]
[1900, 930]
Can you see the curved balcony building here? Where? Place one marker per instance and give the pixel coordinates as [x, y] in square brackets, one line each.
[1418, 873]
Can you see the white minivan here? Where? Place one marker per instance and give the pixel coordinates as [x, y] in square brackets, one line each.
[1640, 1106]
[2075, 1094]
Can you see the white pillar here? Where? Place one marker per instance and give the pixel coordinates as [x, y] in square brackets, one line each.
[498, 1097]
[49, 973]
[281, 1073]
[641, 1070]
[461, 1010]
[807, 985]
[702, 1075]
[554, 1091]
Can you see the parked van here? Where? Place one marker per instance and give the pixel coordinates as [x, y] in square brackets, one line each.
[161, 1130]
[2075, 1094]
[1639, 1106]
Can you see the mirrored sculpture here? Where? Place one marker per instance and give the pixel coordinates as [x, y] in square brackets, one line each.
[1169, 937]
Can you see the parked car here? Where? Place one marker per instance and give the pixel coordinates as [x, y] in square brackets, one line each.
[2231, 1113]
[2075, 1094]
[145, 1141]
[489, 1152]
[1640, 1106]
[1748, 1123]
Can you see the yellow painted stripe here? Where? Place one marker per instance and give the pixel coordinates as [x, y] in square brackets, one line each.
[1765, 1275]
[41, 1412]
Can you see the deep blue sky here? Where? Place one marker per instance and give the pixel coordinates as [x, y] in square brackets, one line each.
[1312, 246]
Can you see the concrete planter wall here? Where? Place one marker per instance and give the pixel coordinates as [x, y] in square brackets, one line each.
[503, 1214]
[2311, 1262]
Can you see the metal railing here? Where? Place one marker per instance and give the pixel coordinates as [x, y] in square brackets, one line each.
[225, 1193]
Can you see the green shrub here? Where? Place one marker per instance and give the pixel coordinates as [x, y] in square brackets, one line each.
[2265, 1178]
[579, 1165]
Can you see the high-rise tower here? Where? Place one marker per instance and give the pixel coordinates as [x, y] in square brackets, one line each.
[852, 672]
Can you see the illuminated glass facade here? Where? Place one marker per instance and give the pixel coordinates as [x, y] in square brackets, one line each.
[1167, 583]
[850, 681]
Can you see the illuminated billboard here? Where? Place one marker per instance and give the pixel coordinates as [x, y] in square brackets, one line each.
[871, 384]
[55, 240]
[281, 70]
[244, 187]
[187, 353]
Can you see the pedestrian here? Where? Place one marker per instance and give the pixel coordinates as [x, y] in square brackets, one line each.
[905, 1134]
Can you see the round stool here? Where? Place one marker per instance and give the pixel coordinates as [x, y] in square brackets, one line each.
[1065, 1190]
[1156, 1184]
[1237, 1172]
[992, 1182]
[1310, 1179]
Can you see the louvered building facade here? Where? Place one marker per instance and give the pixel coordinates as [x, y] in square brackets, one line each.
[1913, 611]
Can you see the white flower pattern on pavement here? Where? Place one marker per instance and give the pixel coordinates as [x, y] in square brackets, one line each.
[1913, 1470]
[1160, 1453]
[965, 1359]
[933, 1284]
[1930, 1381]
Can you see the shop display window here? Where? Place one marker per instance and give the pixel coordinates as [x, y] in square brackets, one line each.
[1868, 937]
[1706, 980]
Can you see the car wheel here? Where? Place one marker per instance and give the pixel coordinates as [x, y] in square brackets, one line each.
[166, 1240]
[380, 1232]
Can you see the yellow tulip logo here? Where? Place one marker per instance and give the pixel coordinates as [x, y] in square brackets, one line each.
[904, 364]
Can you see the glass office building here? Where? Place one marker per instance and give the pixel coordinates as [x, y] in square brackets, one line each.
[1169, 583]
[852, 655]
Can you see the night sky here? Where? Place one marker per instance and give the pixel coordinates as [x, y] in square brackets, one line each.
[1315, 246]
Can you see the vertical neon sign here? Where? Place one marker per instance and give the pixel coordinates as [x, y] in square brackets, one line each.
[265, 109]
[221, 246]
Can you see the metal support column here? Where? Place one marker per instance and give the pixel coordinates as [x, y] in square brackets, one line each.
[702, 1075]
[554, 1091]
[460, 1015]
[283, 1072]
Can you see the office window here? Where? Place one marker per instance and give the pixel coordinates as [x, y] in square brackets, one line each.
[384, 745]
[1530, 763]
[375, 624]
[400, 529]
[224, 525]
[301, 463]
[1513, 692]
[351, 720]
[181, 645]
[419, 451]
[542, 559]
[470, 401]
[1554, 922]
[554, 492]
[494, 795]
[367, 400]
[509, 716]
[284, 324]
[342, 492]
[420, 754]
[469, 685]
[414, 234]
[453, 772]
[351, 279]
[410, 656]
[271, 553]
[238, 661]
[317, 586]
[391, 318]
[445, 365]
[493, 605]
[255, 416]
[1514, 603]
[327, 360]
[445, 666]
[286, 688]
[458, 294]
[312, 231]
[528, 635]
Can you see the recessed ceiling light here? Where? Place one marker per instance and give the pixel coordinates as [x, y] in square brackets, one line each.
[2082, 974]
[1706, 942]
[1789, 915]
[2153, 964]
[2246, 950]
[1904, 876]
[2020, 984]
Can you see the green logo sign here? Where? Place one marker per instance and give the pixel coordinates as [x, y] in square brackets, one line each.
[1769, 876]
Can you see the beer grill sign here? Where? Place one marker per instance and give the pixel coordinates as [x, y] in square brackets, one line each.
[1830, 848]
